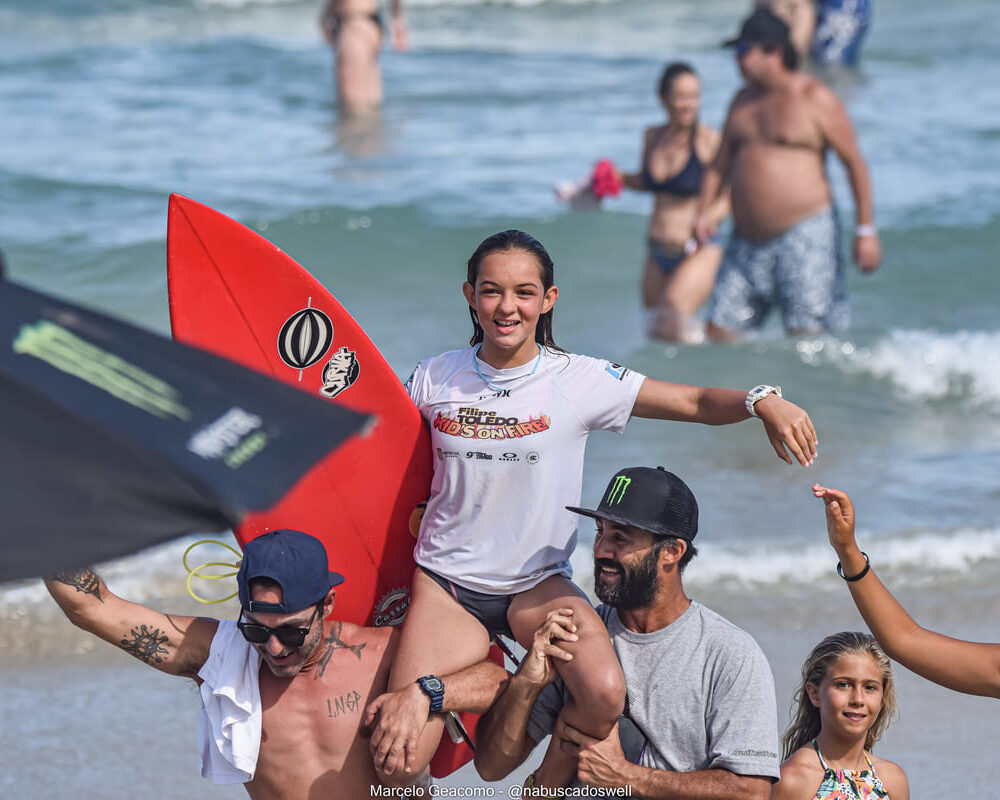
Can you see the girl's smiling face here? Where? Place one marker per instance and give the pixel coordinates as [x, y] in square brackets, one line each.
[508, 298]
[849, 697]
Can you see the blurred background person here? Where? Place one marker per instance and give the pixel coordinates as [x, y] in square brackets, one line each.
[678, 273]
[784, 251]
[840, 30]
[354, 28]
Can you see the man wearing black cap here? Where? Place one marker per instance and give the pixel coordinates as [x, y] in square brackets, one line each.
[784, 251]
[700, 717]
[294, 728]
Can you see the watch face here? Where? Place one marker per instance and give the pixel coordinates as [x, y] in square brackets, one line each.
[433, 684]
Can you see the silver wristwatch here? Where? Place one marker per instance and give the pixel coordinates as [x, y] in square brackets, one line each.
[759, 393]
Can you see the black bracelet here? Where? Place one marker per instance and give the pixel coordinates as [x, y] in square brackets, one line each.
[860, 575]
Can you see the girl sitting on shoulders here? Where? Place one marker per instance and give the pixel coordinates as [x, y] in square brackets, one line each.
[845, 703]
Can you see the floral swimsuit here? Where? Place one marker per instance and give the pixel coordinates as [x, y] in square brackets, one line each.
[849, 784]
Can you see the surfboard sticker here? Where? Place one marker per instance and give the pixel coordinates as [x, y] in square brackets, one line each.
[305, 338]
[340, 373]
[233, 292]
[391, 609]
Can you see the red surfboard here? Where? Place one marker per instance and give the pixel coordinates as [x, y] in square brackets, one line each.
[236, 294]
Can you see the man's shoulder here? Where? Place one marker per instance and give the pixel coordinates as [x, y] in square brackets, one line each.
[723, 633]
[813, 90]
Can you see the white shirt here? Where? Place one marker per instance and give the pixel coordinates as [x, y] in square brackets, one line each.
[508, 460]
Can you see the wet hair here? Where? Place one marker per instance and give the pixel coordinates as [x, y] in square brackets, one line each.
[671, 73]
[511, 241]
[807, 724]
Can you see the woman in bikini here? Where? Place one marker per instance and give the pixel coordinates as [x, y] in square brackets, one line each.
[678, 274]
[354, 29]
[844, 704]
[509, 419]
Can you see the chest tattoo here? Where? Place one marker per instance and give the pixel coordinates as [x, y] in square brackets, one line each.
[332, 643]
[346, 703]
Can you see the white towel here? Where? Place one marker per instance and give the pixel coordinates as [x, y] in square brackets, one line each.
[229, 736]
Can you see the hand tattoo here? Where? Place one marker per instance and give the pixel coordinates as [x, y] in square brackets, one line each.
[334, 642]
[146, 644]
[84, 581]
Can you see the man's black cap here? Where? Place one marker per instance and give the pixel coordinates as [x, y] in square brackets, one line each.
[762, 27]
[654, 500]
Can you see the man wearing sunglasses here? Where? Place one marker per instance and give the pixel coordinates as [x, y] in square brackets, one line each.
[784, 251]
[284, 687]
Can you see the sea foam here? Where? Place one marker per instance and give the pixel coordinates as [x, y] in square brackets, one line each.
[921, 365]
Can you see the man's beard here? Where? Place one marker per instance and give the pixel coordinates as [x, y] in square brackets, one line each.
[636, 588]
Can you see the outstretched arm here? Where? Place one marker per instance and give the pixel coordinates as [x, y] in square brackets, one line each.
[788, 427]
[969, 667]
[635, 180]
[173, 644]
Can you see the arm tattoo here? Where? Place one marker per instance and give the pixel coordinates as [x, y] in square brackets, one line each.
[146, 644]
[334, 642]
[84, 581]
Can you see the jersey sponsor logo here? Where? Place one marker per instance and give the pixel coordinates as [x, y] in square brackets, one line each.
[443, 454]
[478, 455]
[341, 372]
[494, 395]
[616, 371]
[532, 457]
[305, 337]
[392, 608]
[474, 423]
[616, 492]
[509, 457]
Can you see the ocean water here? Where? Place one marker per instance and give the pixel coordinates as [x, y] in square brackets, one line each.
[109, 106]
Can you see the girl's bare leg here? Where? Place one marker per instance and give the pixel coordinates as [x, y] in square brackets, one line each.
[438, 637]
[594, 676]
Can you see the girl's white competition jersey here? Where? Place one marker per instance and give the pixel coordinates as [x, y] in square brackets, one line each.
[508, 459]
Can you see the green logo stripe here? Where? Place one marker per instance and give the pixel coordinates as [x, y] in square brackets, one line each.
[617, 490]
[68, 353]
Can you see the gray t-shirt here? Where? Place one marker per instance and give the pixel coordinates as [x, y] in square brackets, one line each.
[700, 695]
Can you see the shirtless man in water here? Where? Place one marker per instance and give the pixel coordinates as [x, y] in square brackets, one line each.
[315, 674]
[785, 249]
[354, 29]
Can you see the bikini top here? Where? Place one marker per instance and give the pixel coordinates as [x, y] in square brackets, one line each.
[686, 183]
[849, 784]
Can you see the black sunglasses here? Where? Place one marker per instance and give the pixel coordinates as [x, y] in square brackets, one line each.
[288, 635]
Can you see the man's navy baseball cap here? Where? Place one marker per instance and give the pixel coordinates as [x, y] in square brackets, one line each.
[296, 561]
[654, 500]
[763, 27]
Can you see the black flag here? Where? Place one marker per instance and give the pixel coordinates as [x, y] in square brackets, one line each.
[113, 438]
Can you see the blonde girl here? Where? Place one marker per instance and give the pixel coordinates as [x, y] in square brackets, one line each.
[844, 704]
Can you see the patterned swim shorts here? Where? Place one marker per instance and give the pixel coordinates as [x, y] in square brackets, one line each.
[801, 272]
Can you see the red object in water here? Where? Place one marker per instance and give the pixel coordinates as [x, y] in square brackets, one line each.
[604, 180]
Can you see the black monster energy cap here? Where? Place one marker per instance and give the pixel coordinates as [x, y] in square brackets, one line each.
[654, 500]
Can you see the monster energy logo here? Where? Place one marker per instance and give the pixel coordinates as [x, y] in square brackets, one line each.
[68, 353]
[617, 490]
